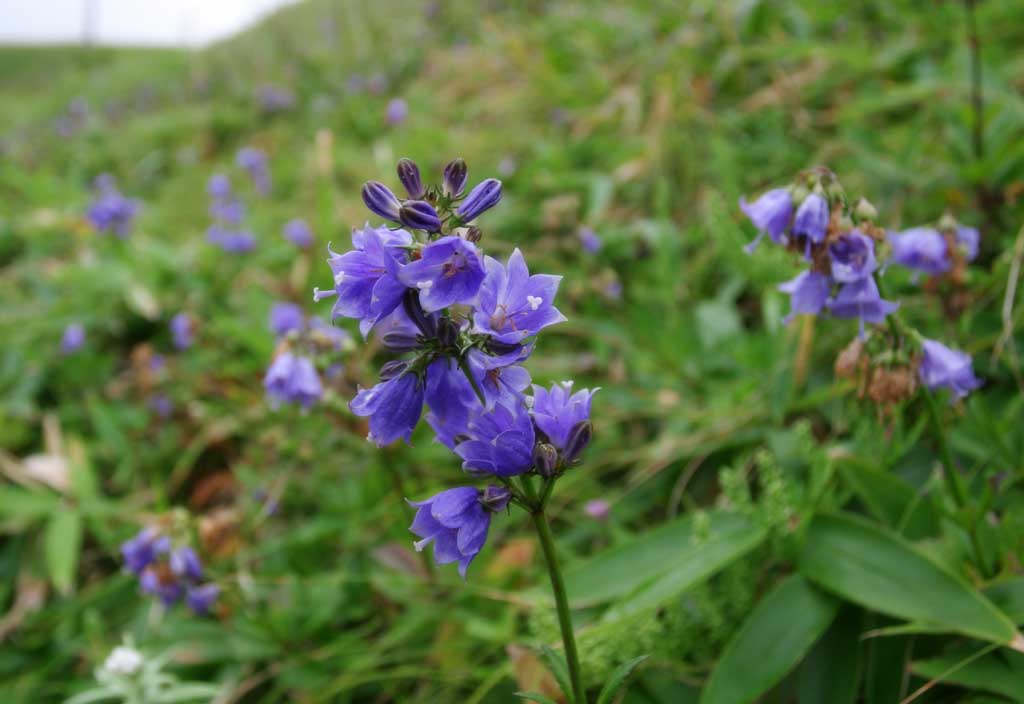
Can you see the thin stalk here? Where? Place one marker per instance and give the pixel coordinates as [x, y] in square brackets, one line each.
[464, 366]
[547, 544]
[977, 100]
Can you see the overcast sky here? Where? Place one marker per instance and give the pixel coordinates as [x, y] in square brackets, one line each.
[132, 22]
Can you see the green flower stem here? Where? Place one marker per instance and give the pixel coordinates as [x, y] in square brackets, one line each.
[547, 544]
[464, 366]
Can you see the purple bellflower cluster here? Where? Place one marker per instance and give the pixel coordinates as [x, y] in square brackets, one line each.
[110, 211]
[228, 213]
[182, 331]
[298, 233]
[254, 162]
[168, 573]
[463, 324]
[845, 250]
[292, 376]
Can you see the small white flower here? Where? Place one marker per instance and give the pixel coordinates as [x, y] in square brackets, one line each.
[123, 661]
[534, 302]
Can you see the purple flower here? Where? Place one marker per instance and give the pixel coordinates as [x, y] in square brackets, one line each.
[419, 215]
[808, 293]
[449, 271]
[598, 509]
[563, 417]
[590, 240]
[484, 196]
[286, 317]
[500, 378]
[162, 585]
[942, 367]
[219, 187]
[182, 332]
[812, 218]
[292, 379]
[861, 299]
[968, 240]
[500, 442]
[230, 212]
[254, 162]
[451, 399]
[142, 550]
[366, 278]
[514, 305]
[455, 175]
[394, 407]
[200, 598]
[381, 200]
[853, 257]
[275, 99]
[770, 214]
[111, 211]
[298, 233]
[73, 338]
[161, 405]
[409, 175]
[456, 521]
[397, 111]
[185, 564]
[232, 241]
[922, 249]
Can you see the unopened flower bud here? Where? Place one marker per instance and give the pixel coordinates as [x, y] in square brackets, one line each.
[495, 498]
[409, 175]
[411, 303]
[864, 210]
[498, 348]
[419, 215]
[398, 341]
[455, 174]
[473, 234]
[484, 196]
[392, 369]
[447, 332]
[381, 200]
[579, 438]
[545, 458]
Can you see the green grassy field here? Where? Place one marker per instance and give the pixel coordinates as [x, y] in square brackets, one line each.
[723, 441]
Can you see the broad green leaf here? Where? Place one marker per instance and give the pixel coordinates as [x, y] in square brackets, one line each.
[693, 563]
[991, 673]
[1009, 596]
[83, 478]
[25, 504]
[618, 679]
[63, 543]
[774, 638]
[622, 569]
[879, 570]
[535, 697]
[830, 674]
[556, 663]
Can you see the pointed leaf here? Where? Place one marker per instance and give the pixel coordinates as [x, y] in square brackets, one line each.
[830, 674]
[990, 673]
[536, 697]
[63, 542]
[556, 663]
[618, 678]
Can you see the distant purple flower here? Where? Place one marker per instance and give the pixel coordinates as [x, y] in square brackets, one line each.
[111, 211]
[484, 196]
[161, 405]
[770, 214]
[968, 240]
[563, 417]
[861, 299]
[232, 241]
[942, 367]
[449, 271]
[182, 332]
[229, 212]
[219, 187]
[381, 200]
[393, 406]
[598, 509]
[254, 162]
[200, 598]
[456, 521]
[275, 99]
[397, 111]
[922, 249]
[853, 257]
[184, 563]
[514, 305]
[292, 378]
[366, 278]
[73, 338]
[811, 219]
[589, 240]
[377, 83]
[142, 550]
[500, 442]
[161, 585]
[285, 318]
[298, 233]
[808, 293]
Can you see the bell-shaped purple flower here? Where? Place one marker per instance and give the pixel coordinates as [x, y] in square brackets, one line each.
[231, 241]
[409, 175]
[853, 257]
[449, 271]
[254, 162]
[285, 318]
[455, 175]
[366, 278]
[770, 214]
[861, 299]
[293, 378]
[922, 249]
[968, 239]
[456, 521]
[500, 442]
[393, 406]
[111, 211]
[228, 212]
[942, 367]
[589, 240]
[73, 338]
[808, 292]
[500, 377]
[298, 233]
[182, 331]
[219, 187]
[162, 584]
[142, 550]
[563, 417]
[811, 219]
[185, 564]
[514, 305]
[200, 598]
[484, 196]
[381, 200]
[419, 215]
[397, 111]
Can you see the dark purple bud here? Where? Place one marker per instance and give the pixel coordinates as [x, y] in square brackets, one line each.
[455, 175]
[392, 369]
[411, 303]
[397, 341]
[545, 458]
[482, 198]
[419, 215]
[447, 332]
[380, 199]
[409, 175]
[495, 498]
[473, 234]
[579, 438]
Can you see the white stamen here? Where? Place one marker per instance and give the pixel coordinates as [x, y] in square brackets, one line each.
[339, 277]
[424, 285]
[534, 302]
[567, 383]
[319, 295]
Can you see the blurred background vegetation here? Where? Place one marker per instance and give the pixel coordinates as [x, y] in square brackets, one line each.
[719, 432]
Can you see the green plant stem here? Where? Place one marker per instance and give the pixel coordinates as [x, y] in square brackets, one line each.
[464, 366]
[547, 544]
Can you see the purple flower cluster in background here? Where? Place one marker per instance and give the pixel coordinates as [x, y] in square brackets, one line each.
[110, 211]
[228, 213]
[182, 331]
[254, 162]
[298, 233]
[73, 338]
[273, 99]
[463, 323]
[929, 251]
[292, 376]
[168, 573]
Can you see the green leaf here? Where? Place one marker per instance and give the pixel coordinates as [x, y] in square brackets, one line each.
[991, 673]
[774, 638]
[879, 570]
[830, 674]
[556, 663]
[63, 542]
[692, 562]
[1008, 595]
[535, 697]
[618, 679]
[83, 478]
[25, 504]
